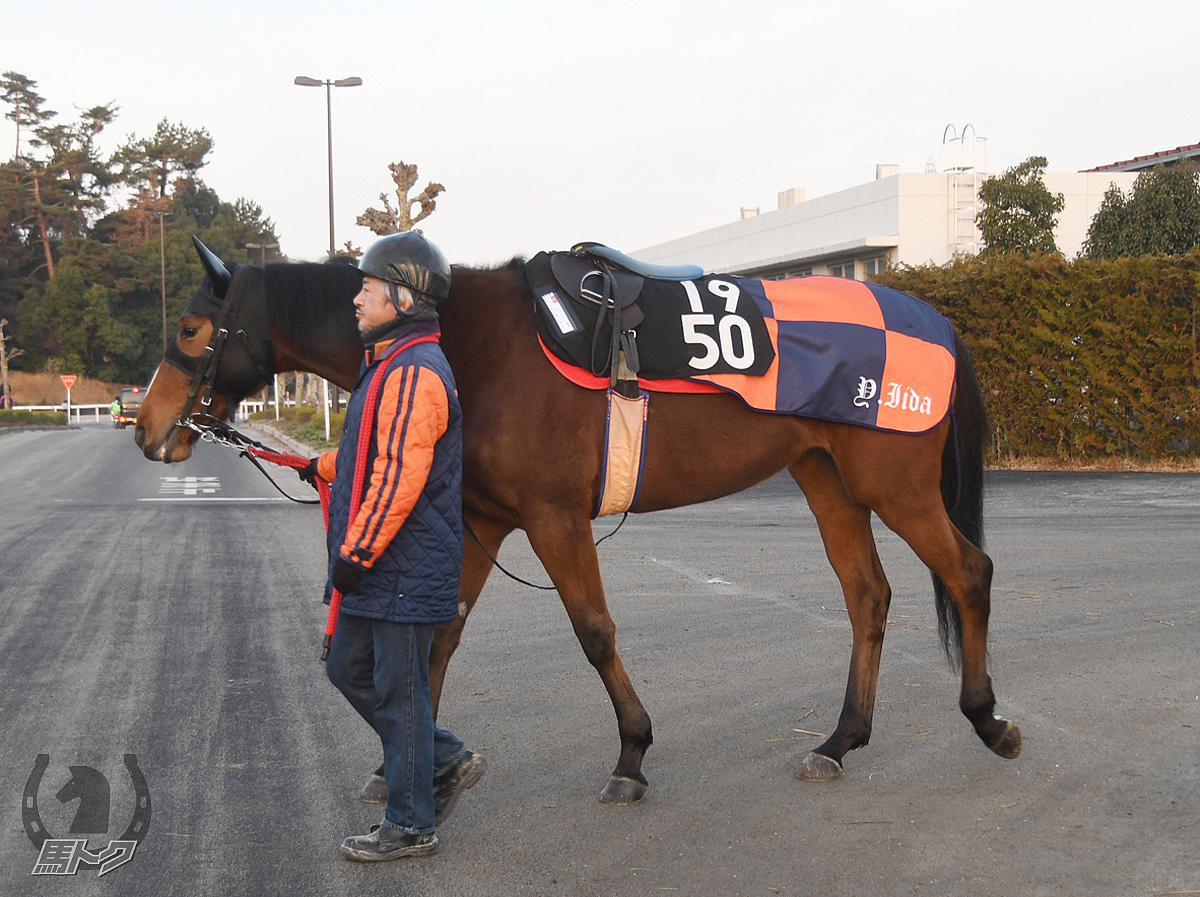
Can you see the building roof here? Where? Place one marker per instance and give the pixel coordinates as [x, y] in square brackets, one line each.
[1163, 157]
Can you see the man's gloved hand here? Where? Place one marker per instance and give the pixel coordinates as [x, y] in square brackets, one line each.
[346, 576]
[308, 473]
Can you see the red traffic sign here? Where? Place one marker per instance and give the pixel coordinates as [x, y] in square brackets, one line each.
[68, 380]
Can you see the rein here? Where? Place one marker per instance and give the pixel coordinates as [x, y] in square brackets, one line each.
[533, 585]
[218, 432]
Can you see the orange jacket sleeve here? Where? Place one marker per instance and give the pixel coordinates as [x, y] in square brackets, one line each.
[414, 413]
[327, 465]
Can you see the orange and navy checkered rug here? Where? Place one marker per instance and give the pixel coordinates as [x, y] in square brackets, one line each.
[844, 351]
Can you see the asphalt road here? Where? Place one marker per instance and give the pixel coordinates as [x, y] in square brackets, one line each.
[178, 620]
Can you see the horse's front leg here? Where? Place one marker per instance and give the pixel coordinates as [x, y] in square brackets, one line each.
[476, 566]
[563, 542]
[845, 527]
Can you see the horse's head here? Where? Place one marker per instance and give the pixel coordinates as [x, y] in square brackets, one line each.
[85, 783]
[221, 352]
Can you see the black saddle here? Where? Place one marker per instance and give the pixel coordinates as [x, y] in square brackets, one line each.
[593, 272]
[614, 316]
[635, 266]
[586, 279]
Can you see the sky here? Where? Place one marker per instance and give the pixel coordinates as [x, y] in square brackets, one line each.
[627, 123]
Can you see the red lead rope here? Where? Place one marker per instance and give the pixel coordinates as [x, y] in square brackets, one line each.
[296, 463]
[360, 465]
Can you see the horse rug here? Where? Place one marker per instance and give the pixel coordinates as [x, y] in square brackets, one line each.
[818, 347]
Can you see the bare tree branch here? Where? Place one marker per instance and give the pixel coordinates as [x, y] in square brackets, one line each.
[395, 220]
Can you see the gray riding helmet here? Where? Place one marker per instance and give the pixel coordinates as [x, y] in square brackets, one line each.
[412, 260]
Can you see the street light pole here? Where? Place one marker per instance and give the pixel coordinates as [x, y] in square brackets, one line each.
[262, 247]
[303, 81]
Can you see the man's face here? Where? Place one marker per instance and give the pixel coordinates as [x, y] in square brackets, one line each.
[372, 306]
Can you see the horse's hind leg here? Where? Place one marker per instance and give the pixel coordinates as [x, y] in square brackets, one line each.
[563, 542]
[967, 574]
[476, 567]
[845, 527]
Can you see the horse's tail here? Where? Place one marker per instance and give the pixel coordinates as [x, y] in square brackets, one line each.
[962, 484]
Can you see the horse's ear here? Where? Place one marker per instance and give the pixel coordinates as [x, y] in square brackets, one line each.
[217, 273]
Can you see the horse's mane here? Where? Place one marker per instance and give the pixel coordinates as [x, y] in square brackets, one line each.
[516, 263]
[312, 301]
[306, 298]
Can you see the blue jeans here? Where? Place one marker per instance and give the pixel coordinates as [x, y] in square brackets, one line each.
[383, 670]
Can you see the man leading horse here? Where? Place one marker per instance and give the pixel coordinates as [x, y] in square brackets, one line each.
[396, 544]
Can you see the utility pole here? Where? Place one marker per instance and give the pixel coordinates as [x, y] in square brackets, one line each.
[162, 274]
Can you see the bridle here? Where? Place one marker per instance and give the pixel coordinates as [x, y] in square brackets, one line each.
[234, 368]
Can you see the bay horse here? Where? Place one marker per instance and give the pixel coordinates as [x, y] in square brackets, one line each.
[927, 488]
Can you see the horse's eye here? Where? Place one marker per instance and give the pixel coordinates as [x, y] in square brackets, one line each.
[188, 332]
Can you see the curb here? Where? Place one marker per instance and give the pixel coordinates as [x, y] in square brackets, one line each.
[267, 433]
[35, 428]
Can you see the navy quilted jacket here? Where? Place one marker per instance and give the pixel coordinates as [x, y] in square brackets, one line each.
[407, 535]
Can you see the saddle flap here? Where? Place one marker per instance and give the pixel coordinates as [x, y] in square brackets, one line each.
[583, 280]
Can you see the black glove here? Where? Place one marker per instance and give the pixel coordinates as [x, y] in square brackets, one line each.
[308, 473]
[346, 576]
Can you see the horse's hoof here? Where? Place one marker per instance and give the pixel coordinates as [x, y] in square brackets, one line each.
[623, 790]
[819, 768]
[1008, 745]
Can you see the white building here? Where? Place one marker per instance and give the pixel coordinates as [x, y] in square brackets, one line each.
[897, 219]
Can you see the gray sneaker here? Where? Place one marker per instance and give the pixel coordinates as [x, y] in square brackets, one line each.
[453, 782]
[384, 843]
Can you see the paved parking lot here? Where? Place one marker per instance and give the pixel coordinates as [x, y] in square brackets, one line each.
[172, 613]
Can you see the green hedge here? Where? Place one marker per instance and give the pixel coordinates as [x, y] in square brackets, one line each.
[33, 418]
[1077, 359]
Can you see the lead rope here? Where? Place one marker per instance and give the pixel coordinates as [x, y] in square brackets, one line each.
[219, 432]
[296, 463]
[254, 450]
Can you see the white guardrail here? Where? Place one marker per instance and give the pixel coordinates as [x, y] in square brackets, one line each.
[97, 413]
